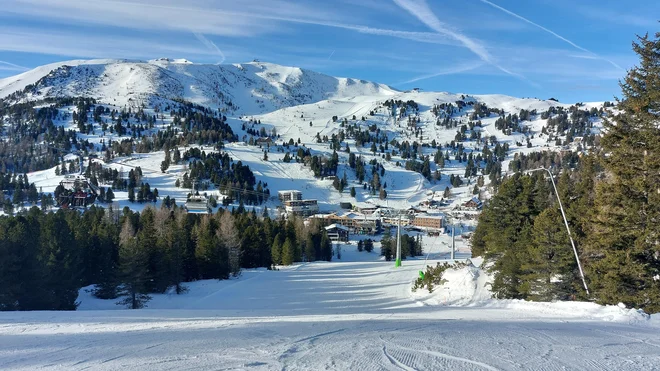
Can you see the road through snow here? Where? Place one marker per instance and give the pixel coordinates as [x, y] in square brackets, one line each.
[356, 315]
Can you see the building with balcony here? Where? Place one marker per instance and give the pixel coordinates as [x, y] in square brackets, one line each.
[289, 195]
[301, 207]
[425, 221]
[337, 233]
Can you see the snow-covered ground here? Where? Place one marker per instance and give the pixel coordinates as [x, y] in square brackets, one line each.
[357, 313]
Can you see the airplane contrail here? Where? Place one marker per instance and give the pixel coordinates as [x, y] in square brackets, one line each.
[449, 71]
[331, 54]
[550, 32]
[14, 66]
[420, 10]
[210, 45]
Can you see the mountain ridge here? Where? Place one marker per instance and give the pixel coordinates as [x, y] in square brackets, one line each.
[247, 88]
[250, 88]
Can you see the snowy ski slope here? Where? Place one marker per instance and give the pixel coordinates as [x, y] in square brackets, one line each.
[354, 314]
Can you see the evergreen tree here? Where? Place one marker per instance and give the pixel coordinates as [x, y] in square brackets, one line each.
[105, 249]
[176, 242]
[368, 245]
[550, 268]
[624, 242]
[208, 250]
[62, 262]
[504, 232]
[288, 252]
[156, 255]
[22, 273]
[133, 269]
[276, 250]
[386, 245]
[309, 251]
[228, 234]
[326, 247]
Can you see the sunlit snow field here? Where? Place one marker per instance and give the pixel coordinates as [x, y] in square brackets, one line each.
[357, 313]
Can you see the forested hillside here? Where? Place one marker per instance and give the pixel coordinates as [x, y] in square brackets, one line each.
[612, 201]
[48, 257]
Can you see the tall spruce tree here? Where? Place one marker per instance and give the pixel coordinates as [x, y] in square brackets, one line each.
[105, 244]
[228, 234]
[386, 245]
[276, 250]
[504, 233]
[623, 248]
[549, 267]
[208, 250]
[59, 249]
[288, 252]
[133, 269]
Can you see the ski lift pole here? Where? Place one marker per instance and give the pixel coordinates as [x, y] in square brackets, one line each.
[398, 244]
[568, 230]
[453, 241]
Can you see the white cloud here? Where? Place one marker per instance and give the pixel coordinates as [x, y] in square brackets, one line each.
[48, 41]
[147, 15]
[247, 18]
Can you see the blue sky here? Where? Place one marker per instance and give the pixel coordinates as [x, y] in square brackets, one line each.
[567, 49]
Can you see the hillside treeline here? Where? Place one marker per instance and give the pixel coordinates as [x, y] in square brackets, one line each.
[45, 258]
[612, 202]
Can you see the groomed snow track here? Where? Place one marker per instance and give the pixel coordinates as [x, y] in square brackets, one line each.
[321, 316]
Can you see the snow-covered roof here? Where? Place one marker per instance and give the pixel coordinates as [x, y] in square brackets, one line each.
[336, 226]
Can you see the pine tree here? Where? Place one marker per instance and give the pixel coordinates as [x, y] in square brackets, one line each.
[228, 234]
[287, 252]
[276, 250]
[550, 268]
[106, 251]
[309, 252]
[368, 245]
[62, 262]
[22, 273]
[208, 250]
[109, 195]
[504, 233]
[176, 243]
[158, 280]
[624, 242]
[386, 245]
[326, 247]
[133, 269]
[251, 248]
[166, 162]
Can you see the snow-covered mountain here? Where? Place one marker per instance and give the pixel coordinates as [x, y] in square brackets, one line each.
[295, 105]
[248, 88]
